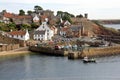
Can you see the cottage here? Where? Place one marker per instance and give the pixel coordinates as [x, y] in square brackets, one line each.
[21, 35]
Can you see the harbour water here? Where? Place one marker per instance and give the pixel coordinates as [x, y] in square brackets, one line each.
[42, 67]
[116, 26]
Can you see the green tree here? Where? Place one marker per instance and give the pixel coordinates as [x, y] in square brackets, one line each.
[25, 26]
[4, 11]
[79, 16]
[29, 12]
[65, 15]
[34, 25]
[59, 13]
[37, 8]
[11, 26]
[21, 12]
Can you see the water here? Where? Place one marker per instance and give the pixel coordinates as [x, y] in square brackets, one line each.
[116, 26]
[41, 67]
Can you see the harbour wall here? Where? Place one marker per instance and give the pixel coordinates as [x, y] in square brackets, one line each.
[90, 52]
[101, 51]
[48, 51]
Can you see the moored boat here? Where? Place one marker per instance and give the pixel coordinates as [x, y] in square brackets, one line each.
[87, 60]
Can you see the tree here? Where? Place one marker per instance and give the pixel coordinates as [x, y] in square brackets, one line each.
[79, 16]
[4, 11]
[25, 26]
[37, 8]
[59, 13]
[21, 12]
[29, 12]
[65, 16]
[11, 26]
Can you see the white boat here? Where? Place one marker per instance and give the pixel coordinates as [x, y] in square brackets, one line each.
[87, 60]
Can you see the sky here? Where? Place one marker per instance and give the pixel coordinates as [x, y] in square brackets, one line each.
[96, 9]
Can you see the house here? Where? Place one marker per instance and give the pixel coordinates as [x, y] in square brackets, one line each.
[36, 19]
[7, 16]
[48, 32]
[21, 35]
[72, 31]
[55, 30]
[17, 19]
[40, 35]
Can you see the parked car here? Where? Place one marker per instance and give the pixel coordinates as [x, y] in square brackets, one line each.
[57, 47]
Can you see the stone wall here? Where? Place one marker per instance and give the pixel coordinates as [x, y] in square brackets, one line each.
[9, 47]
[103, 51]
[6, 40]
[48, 51]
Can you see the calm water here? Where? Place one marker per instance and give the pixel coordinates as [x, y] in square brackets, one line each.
[41, 67]
[116, 26]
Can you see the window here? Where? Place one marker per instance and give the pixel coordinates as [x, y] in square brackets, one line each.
[21, 36]
[43, 27]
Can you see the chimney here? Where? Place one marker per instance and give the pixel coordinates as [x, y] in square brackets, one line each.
[86, 15]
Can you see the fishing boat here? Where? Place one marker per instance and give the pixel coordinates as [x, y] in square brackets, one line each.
[87, 60]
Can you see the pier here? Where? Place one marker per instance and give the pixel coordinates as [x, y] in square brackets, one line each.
[90, 52]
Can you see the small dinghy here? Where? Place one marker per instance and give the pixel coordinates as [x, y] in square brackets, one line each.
[87, 60]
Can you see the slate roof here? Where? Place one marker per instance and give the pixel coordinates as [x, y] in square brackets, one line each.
[75, 27]
[39, 32]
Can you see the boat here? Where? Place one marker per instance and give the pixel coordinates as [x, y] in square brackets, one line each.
[87, 60]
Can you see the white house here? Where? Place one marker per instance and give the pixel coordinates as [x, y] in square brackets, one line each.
[48, 32]
[36, 18]
[21, 35]
[40, 35]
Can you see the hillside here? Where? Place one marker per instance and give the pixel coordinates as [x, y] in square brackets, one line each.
[96, 28]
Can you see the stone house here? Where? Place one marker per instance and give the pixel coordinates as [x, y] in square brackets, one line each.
[72, 31]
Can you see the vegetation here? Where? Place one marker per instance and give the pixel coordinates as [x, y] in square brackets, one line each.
[29, 12]
[65, 15]
[21, 12]
[79, 16]
[37, 8]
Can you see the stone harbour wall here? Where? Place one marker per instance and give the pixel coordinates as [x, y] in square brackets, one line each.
[103, 51]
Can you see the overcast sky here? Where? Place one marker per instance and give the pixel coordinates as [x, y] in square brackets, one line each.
[96, 9]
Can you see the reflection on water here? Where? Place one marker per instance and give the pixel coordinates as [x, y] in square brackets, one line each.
[41, 67]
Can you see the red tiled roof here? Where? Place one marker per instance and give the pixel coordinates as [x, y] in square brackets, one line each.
[17, 32]
[22, 17]
[8, 15]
